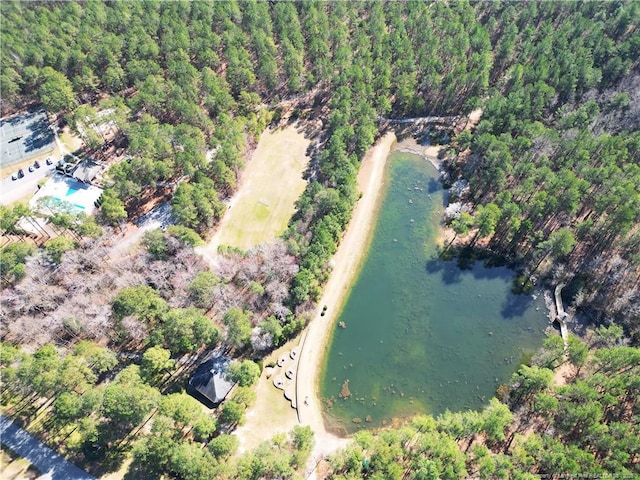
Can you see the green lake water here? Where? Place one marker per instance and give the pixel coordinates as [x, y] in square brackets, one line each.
[422, 335]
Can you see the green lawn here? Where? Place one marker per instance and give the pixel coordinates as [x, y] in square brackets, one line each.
[270, 186]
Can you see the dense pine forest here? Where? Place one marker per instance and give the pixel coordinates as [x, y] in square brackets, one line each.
[95, 344]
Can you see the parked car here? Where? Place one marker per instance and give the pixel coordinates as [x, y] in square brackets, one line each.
[14, 176]
[36, 164]
[49, 161]
[31, 168]
[20, 173]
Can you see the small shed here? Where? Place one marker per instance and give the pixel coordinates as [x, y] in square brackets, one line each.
[209, 384]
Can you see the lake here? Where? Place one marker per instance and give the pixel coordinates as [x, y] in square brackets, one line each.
[420, 334]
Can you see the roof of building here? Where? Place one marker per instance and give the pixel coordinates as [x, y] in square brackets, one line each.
[209, 383]
[86, 171]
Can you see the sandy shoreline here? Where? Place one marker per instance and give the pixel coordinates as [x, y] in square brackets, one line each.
[346, 260]
[430, 153]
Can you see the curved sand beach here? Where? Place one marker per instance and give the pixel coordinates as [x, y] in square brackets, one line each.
[346, 261]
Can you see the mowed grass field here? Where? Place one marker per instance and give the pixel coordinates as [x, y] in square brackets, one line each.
[270, 185]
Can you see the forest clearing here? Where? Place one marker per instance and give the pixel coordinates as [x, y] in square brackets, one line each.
[107, 319]
[271, 412]
[269, 187]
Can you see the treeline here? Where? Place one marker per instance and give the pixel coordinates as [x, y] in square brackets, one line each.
[383, 59]
[189, 61]
[553, 168]
[583, 427]
[190, 84]
[63, 396]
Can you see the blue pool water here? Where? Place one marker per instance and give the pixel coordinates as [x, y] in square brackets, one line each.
[59, 200]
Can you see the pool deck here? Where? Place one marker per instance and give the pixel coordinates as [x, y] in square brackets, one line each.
[66, 194]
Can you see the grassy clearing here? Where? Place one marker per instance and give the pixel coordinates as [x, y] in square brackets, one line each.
[271, 184]
[271, 413]
[71, 141]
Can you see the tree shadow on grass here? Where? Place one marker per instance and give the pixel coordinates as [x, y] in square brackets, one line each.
[107, 453]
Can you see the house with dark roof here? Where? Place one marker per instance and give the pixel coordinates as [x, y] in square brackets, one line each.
[209, 384]
[86, 171]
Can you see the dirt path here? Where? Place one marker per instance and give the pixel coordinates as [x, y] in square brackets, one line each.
[346, 262]
[474, 117]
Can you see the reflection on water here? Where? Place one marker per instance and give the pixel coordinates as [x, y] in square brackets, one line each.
[422, 334]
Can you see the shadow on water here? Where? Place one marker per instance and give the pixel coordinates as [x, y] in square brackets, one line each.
[445, 197]
[467, 262]
[516, 305]
[433, 185]
[450, 272]
[453, 267]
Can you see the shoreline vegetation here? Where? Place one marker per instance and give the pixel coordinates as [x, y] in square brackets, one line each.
[107, 316]
[346, 263]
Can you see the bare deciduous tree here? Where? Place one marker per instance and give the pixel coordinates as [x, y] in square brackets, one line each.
[134, 330]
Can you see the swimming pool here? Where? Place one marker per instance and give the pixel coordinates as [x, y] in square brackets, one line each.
[63, 194]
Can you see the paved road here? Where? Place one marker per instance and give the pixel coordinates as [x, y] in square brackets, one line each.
[12, 190]
[48, 462]
[158, 217]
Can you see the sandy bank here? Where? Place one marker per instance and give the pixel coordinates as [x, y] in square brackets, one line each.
[431, 152]
[346, 262]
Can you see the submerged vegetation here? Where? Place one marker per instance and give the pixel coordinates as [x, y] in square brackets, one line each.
[585, 426]
[423, 334]
[189, 87]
